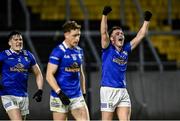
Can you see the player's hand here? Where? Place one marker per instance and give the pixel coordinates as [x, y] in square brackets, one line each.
[107, 10]
[38, 95]
[65, 100]
[147, 15]
[1, 87]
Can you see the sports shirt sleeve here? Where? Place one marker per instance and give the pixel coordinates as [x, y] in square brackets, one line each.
[56, 56]
[127, 47]
[32, 58]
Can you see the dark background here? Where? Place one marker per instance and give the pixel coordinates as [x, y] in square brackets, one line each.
[154, 93]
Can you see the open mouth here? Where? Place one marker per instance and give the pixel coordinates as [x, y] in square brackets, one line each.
[120, 39]
[18, 46]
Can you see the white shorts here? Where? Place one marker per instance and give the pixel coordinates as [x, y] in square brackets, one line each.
[114, 97]
[57, 106]
[12, 102]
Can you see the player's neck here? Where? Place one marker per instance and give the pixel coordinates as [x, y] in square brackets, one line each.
[15, 51]
[118, 48]
[66, 43]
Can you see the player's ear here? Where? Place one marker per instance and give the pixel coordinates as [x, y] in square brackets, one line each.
[66, 35]
[111, 39]
[9, 43]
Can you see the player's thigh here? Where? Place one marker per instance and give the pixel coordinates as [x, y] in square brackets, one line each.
[15, 102]
[110, 98]
[23, 105]
[124, 107]
[123, 113]
[79, 108]
[80, 113]
[14, 114]
[56, 105]
[106, 115]
[59, 116]
[11, 106]
[9, 102]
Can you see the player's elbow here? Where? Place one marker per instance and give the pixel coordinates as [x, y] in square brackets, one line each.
[142, 34]
[104, 45]
[104, 41]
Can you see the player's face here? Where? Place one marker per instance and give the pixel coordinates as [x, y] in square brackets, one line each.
[73, 37]
[16, 43]
[118, 37]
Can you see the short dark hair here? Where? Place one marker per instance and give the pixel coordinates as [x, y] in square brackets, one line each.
[70, 25]
[13, 33]
[114, 28]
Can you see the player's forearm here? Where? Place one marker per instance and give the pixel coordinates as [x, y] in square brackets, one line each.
[104, 27]
[52, 82]
[83, 86]
[39, 81]
[83, 82]
[140, 35]
[143, 30]
[38, 76]
[104, 32]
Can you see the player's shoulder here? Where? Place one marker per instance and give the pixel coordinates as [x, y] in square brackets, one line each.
[79, 48]
[60, 48]
[110, 47]
[127, 47]
[26, 52]
[6, 53]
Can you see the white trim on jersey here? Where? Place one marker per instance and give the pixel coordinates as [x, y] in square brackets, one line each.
[25, 53]
[8, 52]
[62, 48]
[78, 48]
[65, 45]
[53, 57]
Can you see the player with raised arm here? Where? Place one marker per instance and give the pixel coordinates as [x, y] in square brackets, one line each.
[113, 92]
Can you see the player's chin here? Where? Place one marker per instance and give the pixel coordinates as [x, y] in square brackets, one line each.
[18, 49]
[75, 44]
[120, 45]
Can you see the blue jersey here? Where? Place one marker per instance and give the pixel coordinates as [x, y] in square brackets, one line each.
[15, 68]
[114, 64]
[68, 72]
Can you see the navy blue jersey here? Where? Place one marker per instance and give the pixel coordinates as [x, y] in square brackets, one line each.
[15, 68]
[68, 72]
[114, 64]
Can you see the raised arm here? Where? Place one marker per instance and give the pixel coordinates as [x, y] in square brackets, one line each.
[143, 30]
[104, 27]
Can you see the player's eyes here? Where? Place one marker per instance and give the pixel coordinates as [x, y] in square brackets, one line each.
[118, 33]
[76, 35]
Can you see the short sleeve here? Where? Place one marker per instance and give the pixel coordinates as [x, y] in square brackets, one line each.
[82, 55]
[55, 56]
[32, 58]
[127, 47]
[1, 56]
